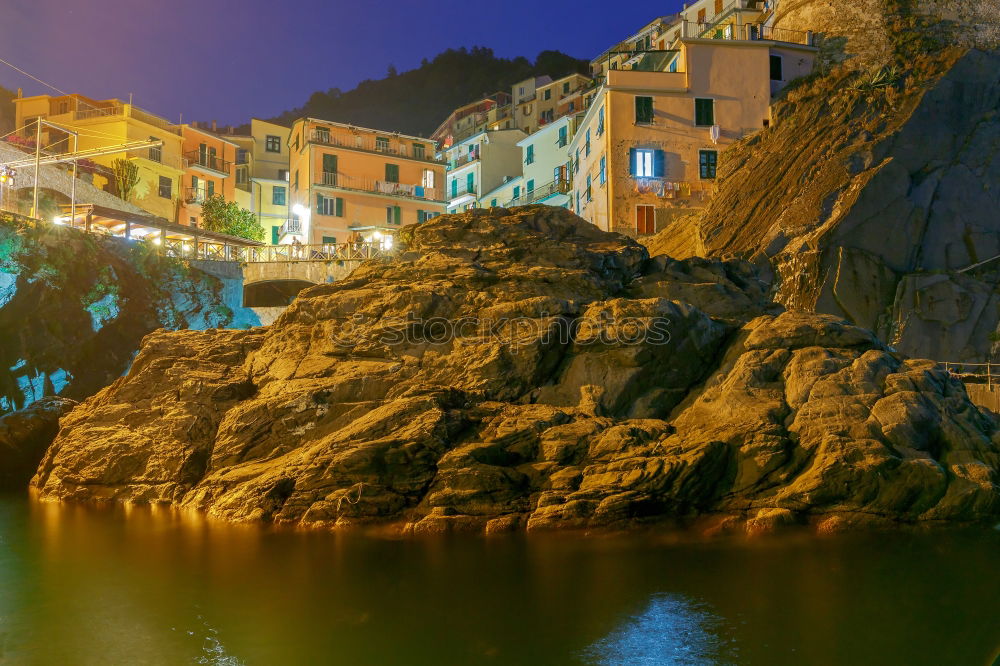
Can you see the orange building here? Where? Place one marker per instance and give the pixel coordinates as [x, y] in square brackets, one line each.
[347, 181]
[208, 170]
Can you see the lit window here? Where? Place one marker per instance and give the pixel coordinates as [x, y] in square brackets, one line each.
[644, 163]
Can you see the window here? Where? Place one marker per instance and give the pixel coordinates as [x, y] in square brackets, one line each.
[392, 173]
[531, 186]
[529, 155]
[493, 203]
[586, 147]
[329, 240]
[470, 183]
[589, 192]
[283, 174]
[707, 162]
[422, 216]
[776, 68]
[645, 220]
[393, 214]
[563, 137]
[194, 182]
[242, 176]
[454, 187]
[427, 179]
[520, 91]
[272, 144]
[704, 112]
[701, 15]
[718, 7]
[382, 144]
[329, 205]
[600, 120]
[63, 107]
[166, 187]
[647, 163]
[547, 94]
[278, 195]
[210, 189]
[643, 110]
[572, 106]
[603, 176]
[241, 155]
[566, 88]
[577, 202]
[329, 164]
[517, 191]
[322, 134]
[296, 183]
[156, 152]
[419, 151]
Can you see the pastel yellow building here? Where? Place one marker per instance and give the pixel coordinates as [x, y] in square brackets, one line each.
[102, 123]
[348, 182]
[648, 148]
[261, 175]
[208, 171]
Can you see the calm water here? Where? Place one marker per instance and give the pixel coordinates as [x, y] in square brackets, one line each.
[113, 586]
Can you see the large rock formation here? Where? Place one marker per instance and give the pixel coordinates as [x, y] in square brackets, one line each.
[522, 369]
[74, 308]
[873, 197]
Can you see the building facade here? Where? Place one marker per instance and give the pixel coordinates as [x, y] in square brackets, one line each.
[545, 169]
[104, 123]
[348, 181]
[479, 164]
[261, 175]
[208, 171]
[472, 119]
[648, 148]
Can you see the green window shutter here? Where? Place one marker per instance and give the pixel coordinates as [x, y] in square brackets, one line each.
[420, 215]
[194, 182]
[329, 240]
[643, 109]
[704, 112]
[275, 237]
[210, 188]
[454, 187]
[329, 163]
[659, 164]
[392, 173]
[397, 213]
[531, 185]
[340, 207]
[319, 204]
[493, 203]
[470, 182]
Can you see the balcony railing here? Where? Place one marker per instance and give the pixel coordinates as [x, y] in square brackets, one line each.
[386, 147]
[344, 181]
[207, 161]
[549, 189]
[195, 195]
[463, 190]
[462, 160]
[291, 227]
[128, 111]
[745, 31]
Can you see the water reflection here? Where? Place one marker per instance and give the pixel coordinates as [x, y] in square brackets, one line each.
[672, 631]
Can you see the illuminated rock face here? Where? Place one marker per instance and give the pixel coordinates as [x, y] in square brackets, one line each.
[74, 309]
[522, 369]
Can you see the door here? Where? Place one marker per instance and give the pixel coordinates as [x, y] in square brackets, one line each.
[645, 222]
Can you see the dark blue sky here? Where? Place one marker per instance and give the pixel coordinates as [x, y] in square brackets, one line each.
[231, 60]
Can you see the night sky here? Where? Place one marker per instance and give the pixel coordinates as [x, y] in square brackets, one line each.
[224, 60]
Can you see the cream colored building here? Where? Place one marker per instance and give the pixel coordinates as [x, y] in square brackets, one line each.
[648, 148]
[262, 175]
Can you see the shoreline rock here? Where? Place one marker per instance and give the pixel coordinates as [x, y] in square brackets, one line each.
[559, 405]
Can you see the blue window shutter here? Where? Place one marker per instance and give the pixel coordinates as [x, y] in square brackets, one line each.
[632, 164]
[659, 164]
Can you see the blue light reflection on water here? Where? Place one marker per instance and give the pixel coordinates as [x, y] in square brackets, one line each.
[672, 630]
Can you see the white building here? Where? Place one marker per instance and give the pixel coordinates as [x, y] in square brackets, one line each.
[479, 164]
[544, 169]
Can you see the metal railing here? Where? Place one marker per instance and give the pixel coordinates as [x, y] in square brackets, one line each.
[261, 254]
[128, 111]
[195, 195]
[207, 160]
[549, 189]
[462, 160]
[290, 227]
[386, 146]
[341, 180]
[975, 373]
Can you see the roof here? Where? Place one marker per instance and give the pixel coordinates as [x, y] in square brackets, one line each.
[363, 129]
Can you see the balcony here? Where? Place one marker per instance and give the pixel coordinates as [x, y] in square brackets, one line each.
[126, 111]
[156, 155]
[462, 160]
[196, 158]
[291, 228]
[463, 192]
[195, 195]
[383, 145]
[345, 182]
[539, 193]
[634, 79]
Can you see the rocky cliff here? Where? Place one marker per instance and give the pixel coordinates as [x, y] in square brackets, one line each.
[74, 308]
[873, 196]
[522, 369]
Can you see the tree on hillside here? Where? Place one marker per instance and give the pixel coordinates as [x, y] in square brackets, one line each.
[226, 217]
[126, 175]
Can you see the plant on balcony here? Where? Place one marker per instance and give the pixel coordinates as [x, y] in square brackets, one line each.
[227, 217]
[126, 176]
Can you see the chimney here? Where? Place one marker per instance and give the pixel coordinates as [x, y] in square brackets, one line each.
[213, 126]
[20, 93]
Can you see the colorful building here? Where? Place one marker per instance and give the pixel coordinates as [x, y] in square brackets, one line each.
[479, 164]
[561, 97]
[648, 148]
[104, 123]
[348, 181]
[208, 171]
[544, 174]
[261, 175]
[472, 118]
